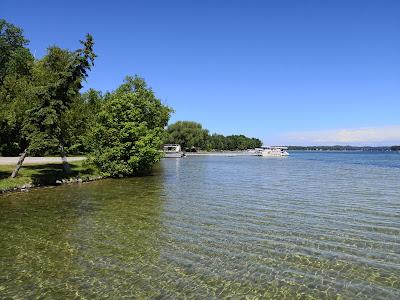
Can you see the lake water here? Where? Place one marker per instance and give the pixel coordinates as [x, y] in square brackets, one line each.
[326, 225]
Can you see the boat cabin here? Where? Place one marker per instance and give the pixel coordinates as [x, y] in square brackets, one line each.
[172, 148]
[173, 151]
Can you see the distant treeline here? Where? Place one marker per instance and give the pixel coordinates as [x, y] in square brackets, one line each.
[344, 148]
[192, 136]
[232, 142]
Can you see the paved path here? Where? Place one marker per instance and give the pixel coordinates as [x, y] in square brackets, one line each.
[37, 160]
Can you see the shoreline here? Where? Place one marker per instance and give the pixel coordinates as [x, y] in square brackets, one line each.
[39, 172]
[220, 153]
[30, 186]
[23, 186]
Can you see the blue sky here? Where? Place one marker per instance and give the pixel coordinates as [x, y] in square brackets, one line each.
[288, 72]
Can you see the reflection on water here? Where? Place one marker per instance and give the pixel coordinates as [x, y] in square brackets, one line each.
[325, 225]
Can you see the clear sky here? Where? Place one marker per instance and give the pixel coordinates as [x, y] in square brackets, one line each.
[288, 72]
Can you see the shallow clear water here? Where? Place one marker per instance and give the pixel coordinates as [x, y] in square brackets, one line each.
[326, 225]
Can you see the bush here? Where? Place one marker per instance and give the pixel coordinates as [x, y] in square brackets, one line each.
[129, 131]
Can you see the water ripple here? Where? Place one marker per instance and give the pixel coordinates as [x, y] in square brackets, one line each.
[314, 225]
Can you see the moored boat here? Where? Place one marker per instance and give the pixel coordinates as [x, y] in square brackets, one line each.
[173, 151]
[272, 151]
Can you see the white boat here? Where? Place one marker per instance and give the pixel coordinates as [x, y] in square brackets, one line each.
[173, 151]
[272, 151]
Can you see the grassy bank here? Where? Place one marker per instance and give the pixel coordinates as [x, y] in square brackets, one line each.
[42, 175]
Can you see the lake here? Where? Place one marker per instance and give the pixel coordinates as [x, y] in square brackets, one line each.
[322, 224]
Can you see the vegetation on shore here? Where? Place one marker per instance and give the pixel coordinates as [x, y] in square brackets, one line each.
[42, 110]
[191, 135]
[37, 94]
[129, 130]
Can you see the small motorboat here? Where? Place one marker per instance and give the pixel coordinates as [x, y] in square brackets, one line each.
[272, 151]
[173, 151]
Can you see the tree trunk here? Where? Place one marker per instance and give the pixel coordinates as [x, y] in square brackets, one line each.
[66, 166]
[19, 163]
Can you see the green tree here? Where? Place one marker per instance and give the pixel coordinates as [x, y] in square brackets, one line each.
[241, 142]
[79, 119]
[192, 135]
[11, 41]
[188, 134]
[16, 63]
[217, 142]
[57, 79]
[129, 130]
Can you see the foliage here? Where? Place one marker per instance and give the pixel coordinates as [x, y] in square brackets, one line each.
[11, 42]
[129, 131]
[236, 142]
[39, 100]
[192, 135]
[188, 134]
[395, 148]
[79, 119]
[57, 79]
[42, 109]
[16, 63]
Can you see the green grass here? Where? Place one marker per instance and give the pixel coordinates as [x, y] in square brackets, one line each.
[42, 174]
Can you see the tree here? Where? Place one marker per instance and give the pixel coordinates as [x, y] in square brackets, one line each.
[188, 134]
[217, 142]
[241, 142]
[57, 79]
[16, 63]
[129, 130]
[79, 119]
[192, 135]
[11, 41]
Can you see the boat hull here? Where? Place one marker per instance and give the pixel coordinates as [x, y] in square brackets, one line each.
[174, 154]
[268, 153]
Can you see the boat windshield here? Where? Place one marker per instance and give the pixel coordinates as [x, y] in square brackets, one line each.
[174, 148]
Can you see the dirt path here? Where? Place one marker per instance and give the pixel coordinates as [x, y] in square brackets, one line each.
[37, 160]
